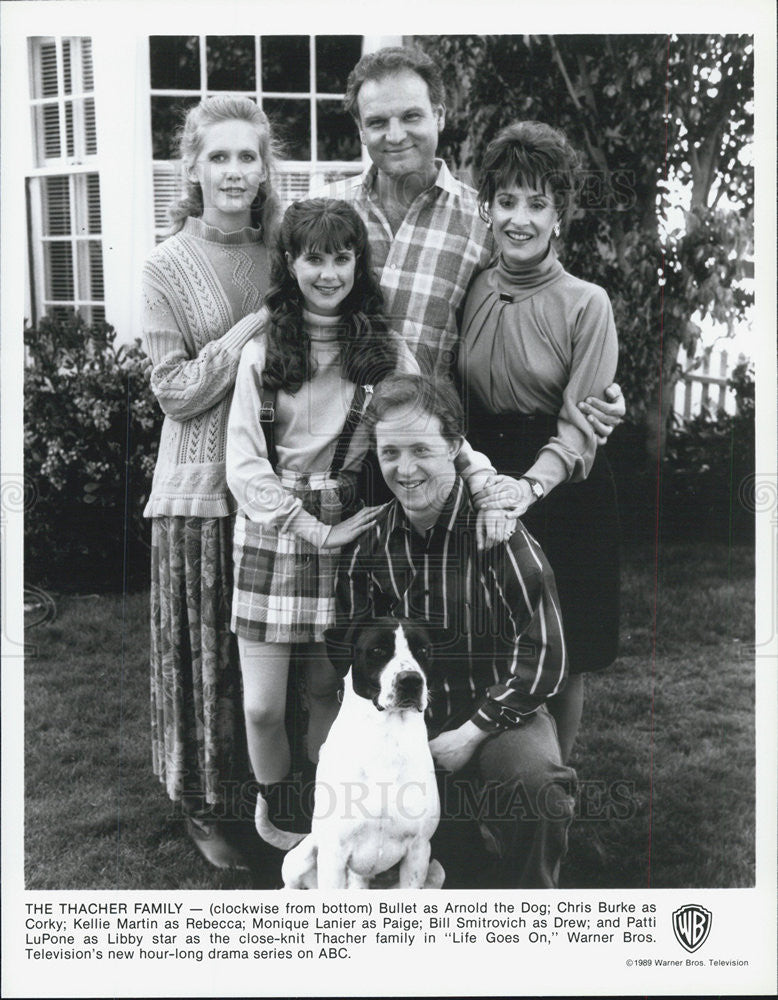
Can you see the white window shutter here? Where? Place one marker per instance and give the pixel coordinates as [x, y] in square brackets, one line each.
[56, 206]
[90, 127]
[60, 286]
[70, 144]
[46, 76]
[93, 203]
[51, 139]
[330, 176]
[168, 189]
[87, 68]
[293, 185]
[97, 289]
[90, 269]
[67, 73]
[67, 220]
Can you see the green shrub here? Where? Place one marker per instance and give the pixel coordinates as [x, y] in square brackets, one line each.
[91, 429]
[708, 466]
[705, 478]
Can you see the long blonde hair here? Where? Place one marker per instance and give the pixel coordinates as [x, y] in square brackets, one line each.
[266, 208]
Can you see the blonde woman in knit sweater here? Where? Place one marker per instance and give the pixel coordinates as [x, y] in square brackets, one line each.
[309, 373]
[202, 290]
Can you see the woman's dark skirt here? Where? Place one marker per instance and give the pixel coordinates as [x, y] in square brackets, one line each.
[577, 526]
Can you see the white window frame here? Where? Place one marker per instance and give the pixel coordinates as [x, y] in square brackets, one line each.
[78, 207]
[74, 167]
[296, 177]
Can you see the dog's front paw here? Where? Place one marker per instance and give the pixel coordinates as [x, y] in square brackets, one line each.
[436, 875]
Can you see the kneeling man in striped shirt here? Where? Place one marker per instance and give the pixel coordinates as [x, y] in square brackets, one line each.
[499, 650]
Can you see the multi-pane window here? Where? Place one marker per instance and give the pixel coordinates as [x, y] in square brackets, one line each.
[63, 100]
[64, 186]
[72, 248]
[298, 80]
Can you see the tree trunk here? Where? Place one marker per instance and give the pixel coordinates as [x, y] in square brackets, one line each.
[660, 403]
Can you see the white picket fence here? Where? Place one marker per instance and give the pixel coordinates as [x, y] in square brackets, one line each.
[703, 384]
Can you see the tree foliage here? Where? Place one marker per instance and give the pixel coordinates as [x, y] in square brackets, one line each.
[652, 115]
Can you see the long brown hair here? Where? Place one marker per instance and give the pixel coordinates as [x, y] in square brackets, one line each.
[368, 354]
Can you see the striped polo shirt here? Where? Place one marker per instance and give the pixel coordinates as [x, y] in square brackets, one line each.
[493, 616]
[425, 268]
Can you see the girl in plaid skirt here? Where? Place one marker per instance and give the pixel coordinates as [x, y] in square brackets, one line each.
[294, 446]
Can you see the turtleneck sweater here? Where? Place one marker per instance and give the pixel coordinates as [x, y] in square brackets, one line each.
[201, 292]
[307, 426]
[535, 339]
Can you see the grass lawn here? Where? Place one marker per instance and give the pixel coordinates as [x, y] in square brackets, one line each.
[665, 756]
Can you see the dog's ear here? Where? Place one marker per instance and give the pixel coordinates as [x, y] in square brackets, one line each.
[340, 647]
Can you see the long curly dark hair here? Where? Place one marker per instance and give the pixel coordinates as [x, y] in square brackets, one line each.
[367, 352]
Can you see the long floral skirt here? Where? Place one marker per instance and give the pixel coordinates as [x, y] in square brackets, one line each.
[197, 728]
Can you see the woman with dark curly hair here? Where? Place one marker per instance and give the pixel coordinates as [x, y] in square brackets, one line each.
[535, 341]
[202, 289]
[294, 447]
[296, 441]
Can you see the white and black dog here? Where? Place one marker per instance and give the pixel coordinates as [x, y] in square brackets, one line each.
[376, 802]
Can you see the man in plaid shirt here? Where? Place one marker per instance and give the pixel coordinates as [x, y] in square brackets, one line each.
[494, 620]
[427, 238]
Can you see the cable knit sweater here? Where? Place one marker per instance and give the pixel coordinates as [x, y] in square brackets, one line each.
[202, 290]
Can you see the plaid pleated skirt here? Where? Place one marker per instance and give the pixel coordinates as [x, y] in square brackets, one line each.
[284, 586]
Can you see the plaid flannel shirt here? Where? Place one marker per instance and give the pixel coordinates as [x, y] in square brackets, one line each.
[425, 268]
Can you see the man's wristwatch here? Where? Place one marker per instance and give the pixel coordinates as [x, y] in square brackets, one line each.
[537, 490]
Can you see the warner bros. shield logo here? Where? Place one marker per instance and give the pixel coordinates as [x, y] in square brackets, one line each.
[691, 924]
